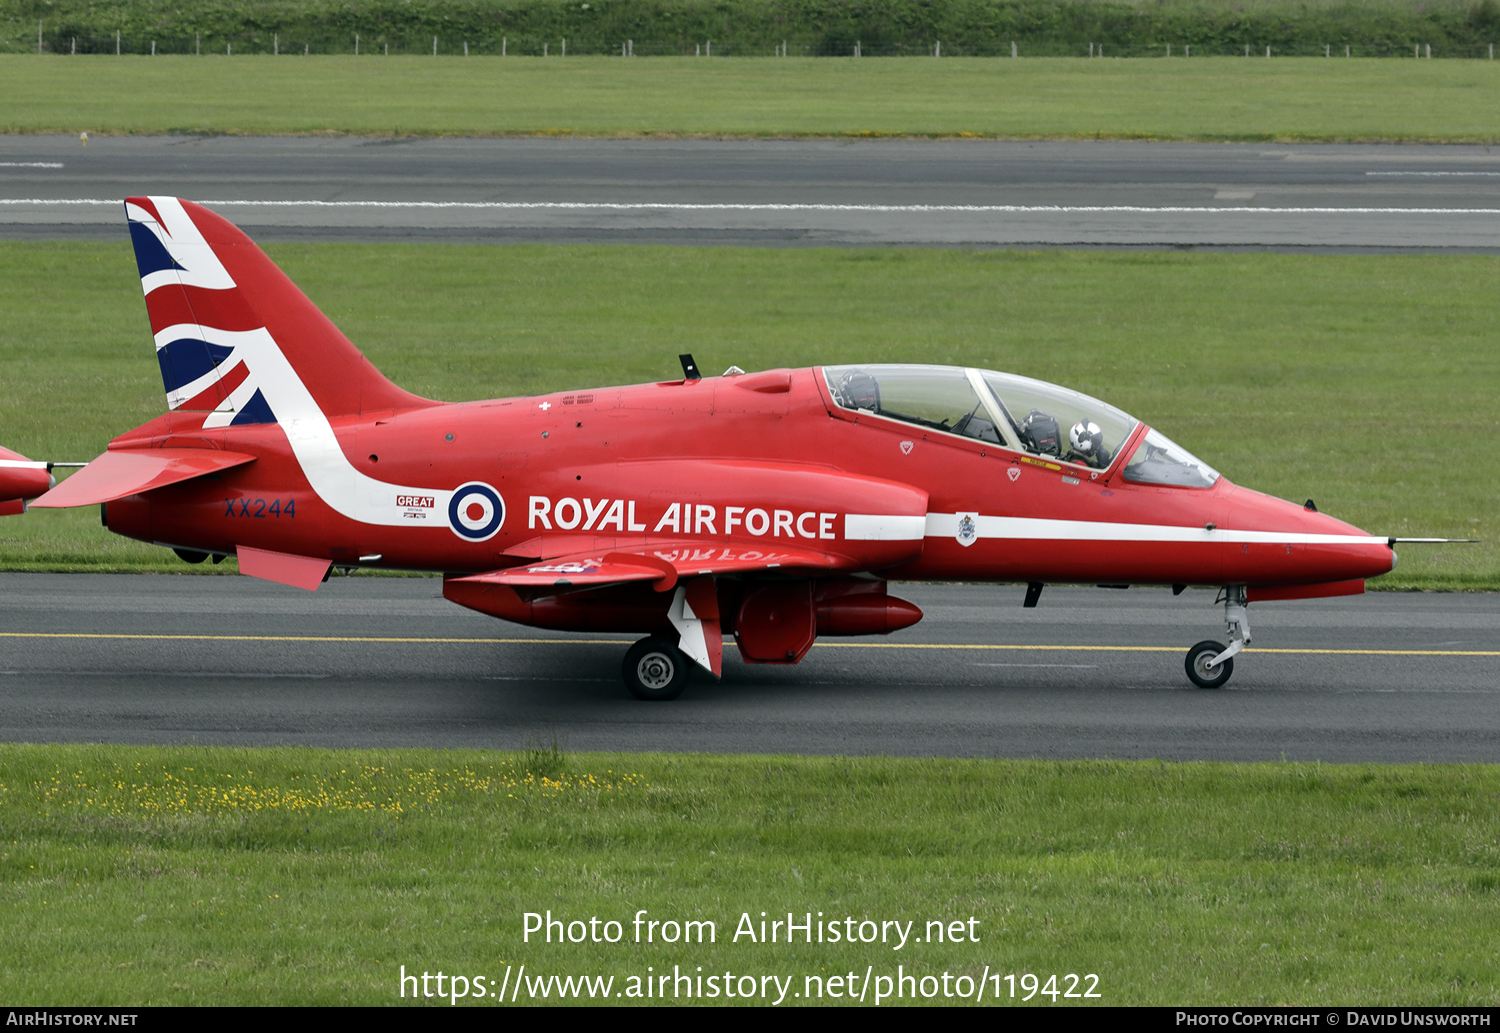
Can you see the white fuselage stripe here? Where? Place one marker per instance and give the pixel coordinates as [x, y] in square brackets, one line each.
[945, 525]
[328, 470]
[877, 527]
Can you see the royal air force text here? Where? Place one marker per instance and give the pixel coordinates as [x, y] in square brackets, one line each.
[569, 514]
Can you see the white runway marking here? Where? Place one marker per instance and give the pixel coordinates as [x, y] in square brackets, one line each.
[31, 164]
[1432, 173]
[768, 207]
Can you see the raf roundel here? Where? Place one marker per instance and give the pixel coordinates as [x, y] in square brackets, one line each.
[476, 511]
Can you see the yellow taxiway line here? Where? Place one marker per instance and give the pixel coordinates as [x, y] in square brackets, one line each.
[626, 642]
[318, 638]
[1164, 649]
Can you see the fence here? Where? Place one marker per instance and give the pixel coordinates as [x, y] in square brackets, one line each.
[62, 40]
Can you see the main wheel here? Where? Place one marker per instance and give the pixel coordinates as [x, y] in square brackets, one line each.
[1200, 673]
[655, 669]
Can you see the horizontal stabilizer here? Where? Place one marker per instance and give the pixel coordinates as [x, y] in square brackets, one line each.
[116, 474]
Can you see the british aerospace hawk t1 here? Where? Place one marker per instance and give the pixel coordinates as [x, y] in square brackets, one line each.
[769, 508]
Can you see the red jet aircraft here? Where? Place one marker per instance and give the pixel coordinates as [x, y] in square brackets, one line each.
[772, 507]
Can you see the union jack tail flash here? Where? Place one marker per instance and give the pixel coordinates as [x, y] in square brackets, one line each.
[236, 340]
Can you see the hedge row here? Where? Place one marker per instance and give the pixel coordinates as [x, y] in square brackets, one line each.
[964, 27]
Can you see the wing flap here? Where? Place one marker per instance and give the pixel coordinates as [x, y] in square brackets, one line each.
[116, 474]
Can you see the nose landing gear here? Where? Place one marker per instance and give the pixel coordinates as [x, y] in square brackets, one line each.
[1198, 669]
[1209, 664]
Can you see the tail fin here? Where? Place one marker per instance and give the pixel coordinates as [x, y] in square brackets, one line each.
[234, 336]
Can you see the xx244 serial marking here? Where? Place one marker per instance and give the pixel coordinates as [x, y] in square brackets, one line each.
[260, 508]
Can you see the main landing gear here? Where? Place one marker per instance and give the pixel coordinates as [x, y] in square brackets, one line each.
[655, 669]
[1209, 664]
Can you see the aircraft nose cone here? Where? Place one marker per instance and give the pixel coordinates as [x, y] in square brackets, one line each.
[1300, 546]
[1358, 555]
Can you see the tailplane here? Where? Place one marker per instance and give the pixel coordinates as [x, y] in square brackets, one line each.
[235, 338]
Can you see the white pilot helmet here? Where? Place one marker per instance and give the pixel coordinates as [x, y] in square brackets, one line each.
[1086, 437]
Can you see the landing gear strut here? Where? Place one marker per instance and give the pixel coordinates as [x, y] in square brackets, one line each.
[655, 669]
[1209, 664]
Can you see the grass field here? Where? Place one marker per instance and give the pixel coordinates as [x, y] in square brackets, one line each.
[1366, 383]
[1194, 99]
[191, 876]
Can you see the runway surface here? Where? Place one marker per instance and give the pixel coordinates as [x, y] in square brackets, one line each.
[369, 662]
[779, 193]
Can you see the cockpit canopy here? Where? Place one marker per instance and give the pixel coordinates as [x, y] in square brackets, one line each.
[1013, 412]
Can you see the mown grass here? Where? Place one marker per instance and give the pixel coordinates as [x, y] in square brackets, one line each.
[148, 875]
[1363, 382]
[1194, 99]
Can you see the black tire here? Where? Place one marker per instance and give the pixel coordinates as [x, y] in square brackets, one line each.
[190, 555]
[1208, 678]
[655, 670]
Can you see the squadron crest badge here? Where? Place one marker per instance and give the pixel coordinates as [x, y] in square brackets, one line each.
[968, 528]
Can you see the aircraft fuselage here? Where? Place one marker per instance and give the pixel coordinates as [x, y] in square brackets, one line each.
[724, 461]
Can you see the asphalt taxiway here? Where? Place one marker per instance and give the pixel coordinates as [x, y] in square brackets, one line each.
[969, 193]
[368, 661]
[1090, 673]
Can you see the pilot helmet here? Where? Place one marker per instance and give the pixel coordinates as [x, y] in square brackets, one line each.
[1086, 437]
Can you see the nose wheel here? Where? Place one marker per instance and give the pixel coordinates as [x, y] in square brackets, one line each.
[1200, 673]
[655, 669]
[1209, 664]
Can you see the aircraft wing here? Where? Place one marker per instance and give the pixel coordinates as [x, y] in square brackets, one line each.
[580, 570]
[662, 563]
[116, 474]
